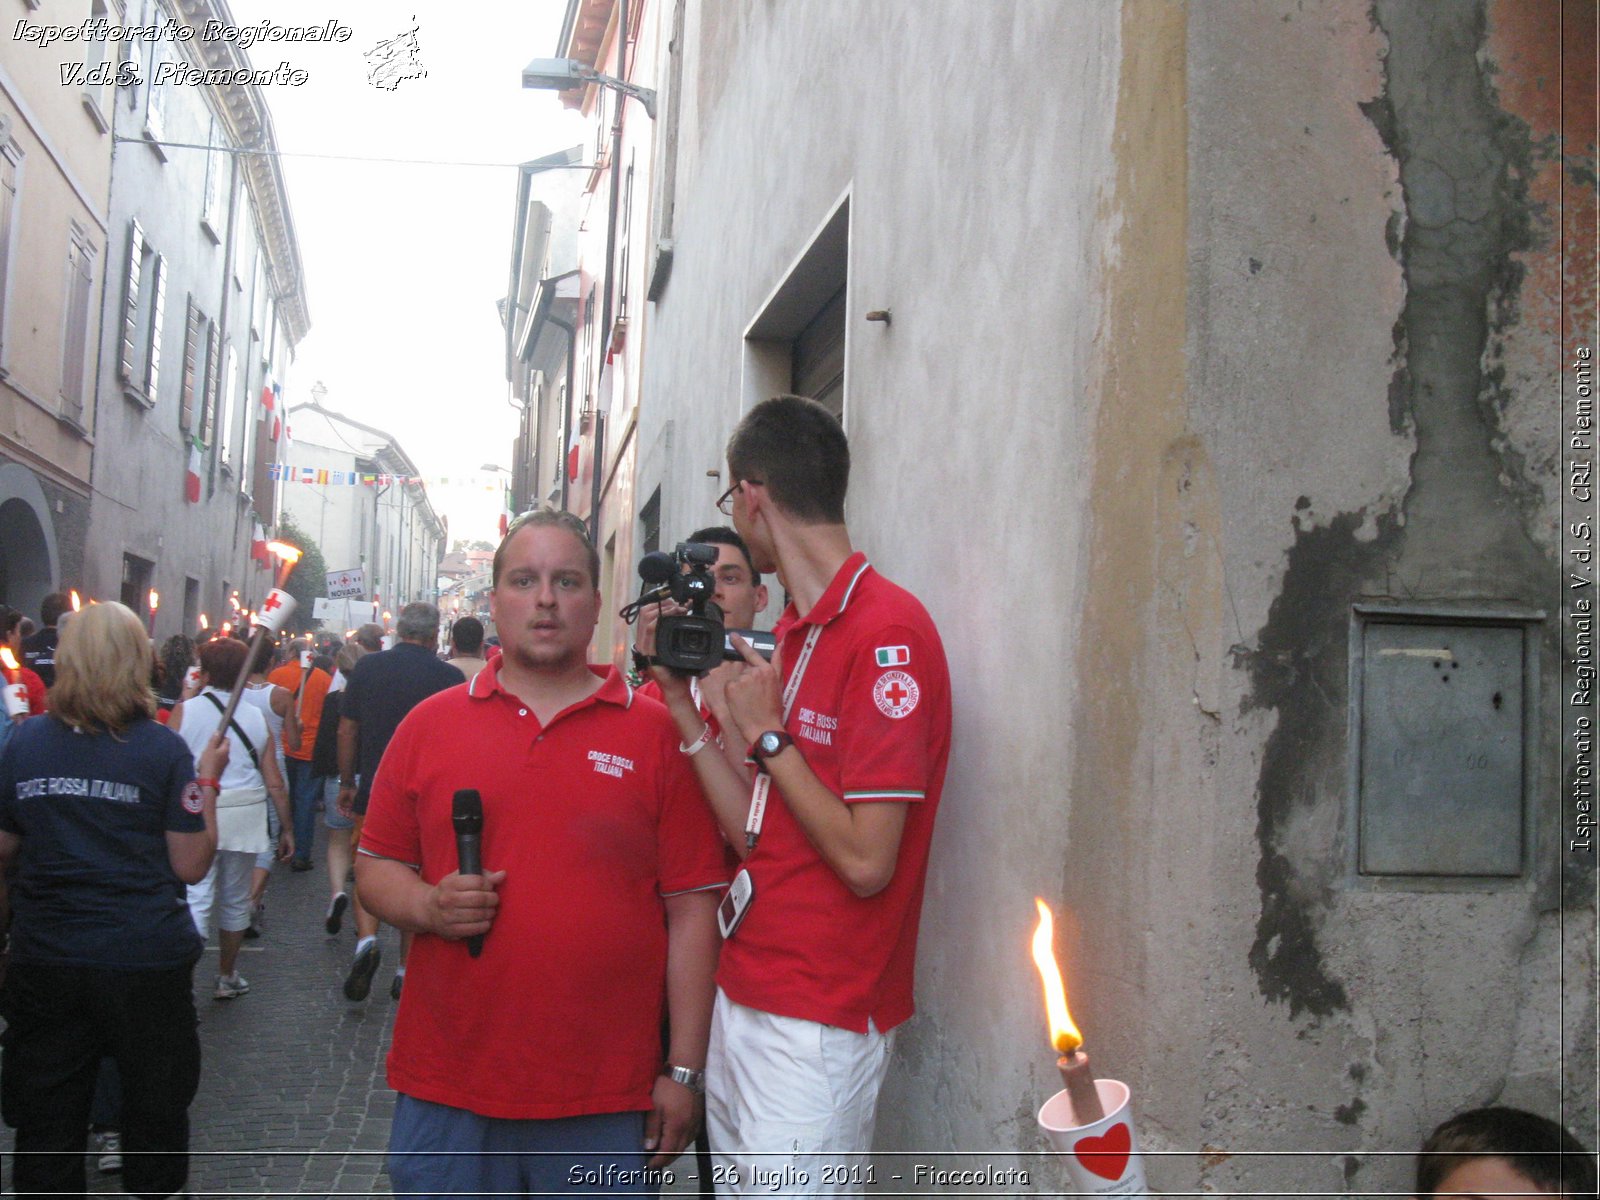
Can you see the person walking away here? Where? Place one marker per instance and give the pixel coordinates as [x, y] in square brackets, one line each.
[102, 823]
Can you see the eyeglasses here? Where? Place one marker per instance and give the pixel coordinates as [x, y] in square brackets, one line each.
[725, 501]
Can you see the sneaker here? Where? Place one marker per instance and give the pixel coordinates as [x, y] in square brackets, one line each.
[300, 864]
[258, 921]
[336, 907]
[399, 982]
[230, 987]
[107, 1144]
[359, 982]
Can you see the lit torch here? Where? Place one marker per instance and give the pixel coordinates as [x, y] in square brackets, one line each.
[16, 691]
[1100, 1149]
[155, 603]
[77, 604]
[274, 613]
[205, 622]
[1073, 1064]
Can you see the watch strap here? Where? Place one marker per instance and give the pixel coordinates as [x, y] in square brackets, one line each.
[694, 1080]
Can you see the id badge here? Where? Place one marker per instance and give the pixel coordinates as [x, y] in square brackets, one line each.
[741, 895]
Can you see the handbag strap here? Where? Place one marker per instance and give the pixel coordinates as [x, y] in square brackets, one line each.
[233, 724]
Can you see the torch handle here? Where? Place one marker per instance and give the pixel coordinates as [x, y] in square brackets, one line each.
[1078, 1077]
[250, 655]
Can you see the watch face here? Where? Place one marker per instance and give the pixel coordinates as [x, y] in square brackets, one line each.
[770, 743]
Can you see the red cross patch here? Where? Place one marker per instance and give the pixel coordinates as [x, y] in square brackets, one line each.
[896, 694]
[193, 801]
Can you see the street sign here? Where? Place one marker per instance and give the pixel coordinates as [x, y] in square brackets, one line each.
[347, 585]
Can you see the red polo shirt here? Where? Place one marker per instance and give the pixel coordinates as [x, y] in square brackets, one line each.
[872, 718]
[594, 817]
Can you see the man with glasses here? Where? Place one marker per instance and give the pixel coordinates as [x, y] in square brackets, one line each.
[848, 730]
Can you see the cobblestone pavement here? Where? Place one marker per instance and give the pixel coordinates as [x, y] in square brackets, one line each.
[292, 1097]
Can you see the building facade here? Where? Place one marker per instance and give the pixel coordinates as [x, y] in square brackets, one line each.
[354, 491]
[1201, 367]
[203, 306]
[55, 234]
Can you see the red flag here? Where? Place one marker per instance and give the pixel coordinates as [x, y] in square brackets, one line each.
[258, 546]
[191, 478]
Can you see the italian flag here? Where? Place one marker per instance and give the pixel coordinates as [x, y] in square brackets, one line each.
[191, 478]
[893, 656]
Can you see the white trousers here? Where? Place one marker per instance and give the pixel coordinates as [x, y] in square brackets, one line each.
[225, 889]
[790, 1104]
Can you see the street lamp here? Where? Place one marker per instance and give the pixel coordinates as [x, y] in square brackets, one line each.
[564, 74]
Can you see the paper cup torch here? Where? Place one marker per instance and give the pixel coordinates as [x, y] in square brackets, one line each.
[16, 692]
[275, 610]
[1089, 1121]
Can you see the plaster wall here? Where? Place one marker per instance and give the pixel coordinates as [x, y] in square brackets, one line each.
[968, 416]
[1191, 351]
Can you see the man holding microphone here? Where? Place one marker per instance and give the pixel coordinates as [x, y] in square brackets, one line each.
[602, 875]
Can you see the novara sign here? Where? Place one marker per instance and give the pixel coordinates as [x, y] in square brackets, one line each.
[347, 585]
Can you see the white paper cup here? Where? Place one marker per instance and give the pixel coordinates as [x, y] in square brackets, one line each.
[277, 608]
[17, 700]
[1101, 1159]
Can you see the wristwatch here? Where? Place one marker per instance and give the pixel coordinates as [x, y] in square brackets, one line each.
[695, 1081]
[773, 741]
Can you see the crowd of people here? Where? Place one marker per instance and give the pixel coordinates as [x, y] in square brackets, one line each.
[634, 906]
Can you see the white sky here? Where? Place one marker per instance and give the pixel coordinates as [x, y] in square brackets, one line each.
[403, 263]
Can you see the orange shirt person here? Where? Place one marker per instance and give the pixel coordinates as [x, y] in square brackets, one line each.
[308, 686]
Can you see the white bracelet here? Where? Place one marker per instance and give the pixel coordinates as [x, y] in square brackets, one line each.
[699, 744]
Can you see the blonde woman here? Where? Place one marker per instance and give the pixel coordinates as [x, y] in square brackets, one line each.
[102, 823]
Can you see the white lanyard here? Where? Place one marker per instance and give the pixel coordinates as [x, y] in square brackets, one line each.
[763, 781]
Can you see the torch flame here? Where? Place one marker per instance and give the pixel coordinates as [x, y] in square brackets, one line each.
[77, 604]
[284, 551]
[155, 599]
[9, 659]
[205, 621]
[1064, 1035]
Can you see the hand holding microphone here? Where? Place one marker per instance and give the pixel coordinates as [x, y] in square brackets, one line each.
[466, 814]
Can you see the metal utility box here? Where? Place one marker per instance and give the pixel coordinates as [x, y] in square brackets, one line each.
[1439, 742]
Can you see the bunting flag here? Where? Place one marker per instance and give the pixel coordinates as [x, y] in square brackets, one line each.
[191, 477]
[281, 472]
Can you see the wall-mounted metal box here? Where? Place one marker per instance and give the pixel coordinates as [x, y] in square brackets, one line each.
[1441, 705]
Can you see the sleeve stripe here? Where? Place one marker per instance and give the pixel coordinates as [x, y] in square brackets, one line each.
[704, 887]
[887, 794]
[388, 858]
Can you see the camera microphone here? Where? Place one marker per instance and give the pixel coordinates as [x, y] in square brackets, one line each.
[466, 814]
[657, 567]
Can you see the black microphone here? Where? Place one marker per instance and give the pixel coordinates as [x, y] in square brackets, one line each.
[657, 567]
[466, 814]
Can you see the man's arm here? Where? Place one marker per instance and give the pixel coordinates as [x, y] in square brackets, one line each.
[458, 906]
[859, 842]
[692, 945]
[348, 732]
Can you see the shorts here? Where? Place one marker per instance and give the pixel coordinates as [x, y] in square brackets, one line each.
[437, 1150]
[330, 806]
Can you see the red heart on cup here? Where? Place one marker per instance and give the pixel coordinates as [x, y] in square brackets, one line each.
[1106, 1155]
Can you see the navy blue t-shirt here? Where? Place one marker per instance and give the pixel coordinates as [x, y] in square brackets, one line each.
[93, 885]
[382, 689]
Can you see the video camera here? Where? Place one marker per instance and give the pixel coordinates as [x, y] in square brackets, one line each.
[694, 642]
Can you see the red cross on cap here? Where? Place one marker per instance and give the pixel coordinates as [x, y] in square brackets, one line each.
[273, 602]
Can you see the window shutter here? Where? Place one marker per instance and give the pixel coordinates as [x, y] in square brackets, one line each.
[130, 302]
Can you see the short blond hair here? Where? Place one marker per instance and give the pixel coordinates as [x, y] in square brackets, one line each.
[103, 667]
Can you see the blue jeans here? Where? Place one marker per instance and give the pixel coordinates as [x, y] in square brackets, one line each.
[305, 789]
[436, 1150]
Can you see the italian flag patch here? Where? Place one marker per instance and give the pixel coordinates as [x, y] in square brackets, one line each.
[893, 656]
